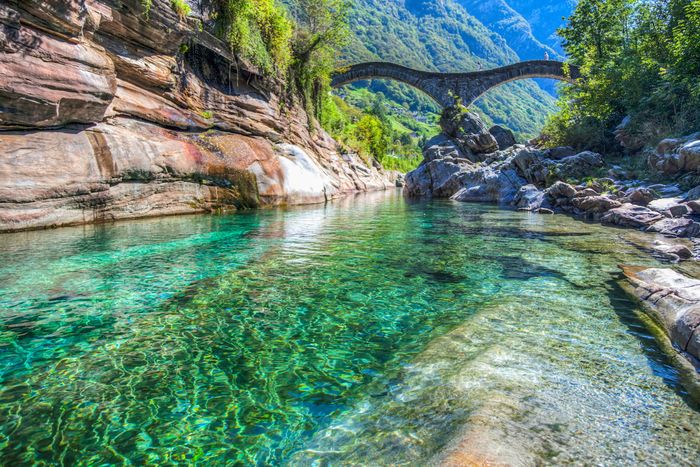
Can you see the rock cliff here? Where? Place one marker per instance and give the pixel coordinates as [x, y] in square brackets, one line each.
[108, 113]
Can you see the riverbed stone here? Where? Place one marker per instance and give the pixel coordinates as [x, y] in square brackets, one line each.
[529, 197]
[561, 190]
[640, 196]
[679, 210]
[683, 227]
[664, 204]
[631, 215]
[595, 204]
[673, 300]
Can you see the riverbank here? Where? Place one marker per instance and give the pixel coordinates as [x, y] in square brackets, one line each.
[109, 114]
[471, 163]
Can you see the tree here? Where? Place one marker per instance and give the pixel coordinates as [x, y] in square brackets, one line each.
[321, 30]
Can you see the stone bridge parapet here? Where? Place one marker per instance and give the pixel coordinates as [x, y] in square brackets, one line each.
[444, 87]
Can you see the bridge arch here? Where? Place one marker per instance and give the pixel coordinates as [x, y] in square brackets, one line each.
[443, 87]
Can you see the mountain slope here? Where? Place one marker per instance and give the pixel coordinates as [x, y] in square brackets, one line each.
[441, 35]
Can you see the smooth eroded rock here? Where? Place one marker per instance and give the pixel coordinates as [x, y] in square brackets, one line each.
[631, 215]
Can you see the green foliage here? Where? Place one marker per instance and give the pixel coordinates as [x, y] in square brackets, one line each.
[182, 9]
[208, 114]
[146, 4]
[257, 30]
[376, 131]
[321, 30]
[638, 58]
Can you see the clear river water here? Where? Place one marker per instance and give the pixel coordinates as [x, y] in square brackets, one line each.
[368, 331]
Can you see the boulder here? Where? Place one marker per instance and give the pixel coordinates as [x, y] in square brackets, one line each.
[664, 204]
[693, 193]
[595, 204]
[529, 198]
[628, 138]
[640, 196]
[584, 192]
[468, 130]
[679, 210]
[676, 227]
[434, 178]
[530, 164]
[673, 300]
[504, 137]
[579, 166]
[494, 184]
[440, 147]
[673, 251]
[561, 190]
[694, 206]
[631, 215]
[689, 156]
[560, 152]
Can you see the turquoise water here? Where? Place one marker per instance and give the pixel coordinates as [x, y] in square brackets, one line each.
[369, 331]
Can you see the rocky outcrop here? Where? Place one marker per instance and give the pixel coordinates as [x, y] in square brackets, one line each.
[504, 137]
[469, 133]
[531, 179]
[673, 301]
[106, 114]
[677, 155]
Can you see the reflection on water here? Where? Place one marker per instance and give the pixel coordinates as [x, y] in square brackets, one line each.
[371, 330]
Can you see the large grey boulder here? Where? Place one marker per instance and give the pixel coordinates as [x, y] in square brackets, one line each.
[579, 166]
[440, 147]
[492, 184]
[468, 130]
[595, 204]
[664, 204]
[529, 198]
[432, 179]
[504, 137]
[673, 300]
[561, 190]
[673, 227]
[530, 163]
[689, 156]
[631, 215]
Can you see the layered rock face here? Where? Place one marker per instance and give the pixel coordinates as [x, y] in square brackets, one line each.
[106, 113]
[674, 302]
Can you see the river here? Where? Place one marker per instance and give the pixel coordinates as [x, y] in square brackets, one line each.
[371, 330]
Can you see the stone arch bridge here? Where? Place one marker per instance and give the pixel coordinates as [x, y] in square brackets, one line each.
[443, 87]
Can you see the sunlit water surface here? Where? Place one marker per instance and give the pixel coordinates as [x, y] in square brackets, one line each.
[368, 331]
